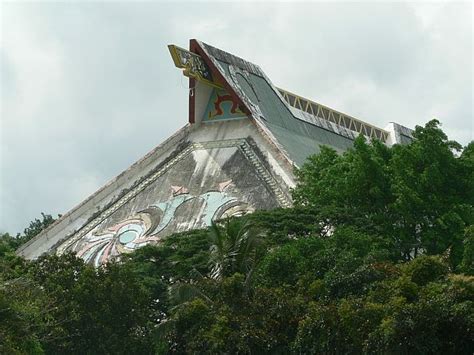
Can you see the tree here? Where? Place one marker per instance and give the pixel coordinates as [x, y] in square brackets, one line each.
[370, 260]
[23, 310]
[467, 263]
[37, 226]
[429, 185]
[418, 311]
[420, 195]
[235, 247]
[105, 310]
[352, 188]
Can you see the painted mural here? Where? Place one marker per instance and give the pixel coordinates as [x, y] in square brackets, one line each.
[221, 106]
[202, 183]
[146, 226]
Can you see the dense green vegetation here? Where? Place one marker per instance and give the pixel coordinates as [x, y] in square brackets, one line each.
[377, 256]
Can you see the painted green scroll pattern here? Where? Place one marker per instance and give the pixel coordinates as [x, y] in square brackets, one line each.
[147, 226]
[204, 181]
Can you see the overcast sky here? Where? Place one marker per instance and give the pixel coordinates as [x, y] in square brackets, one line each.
[89, 88]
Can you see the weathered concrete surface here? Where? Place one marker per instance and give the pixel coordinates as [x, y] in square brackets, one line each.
[204, 172]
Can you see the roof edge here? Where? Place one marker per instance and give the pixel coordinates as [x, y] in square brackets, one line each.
[253, 114]
[64, 218]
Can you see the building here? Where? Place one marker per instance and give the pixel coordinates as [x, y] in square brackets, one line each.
[237, 154]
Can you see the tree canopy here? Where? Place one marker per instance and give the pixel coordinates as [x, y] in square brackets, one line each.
[376, 256]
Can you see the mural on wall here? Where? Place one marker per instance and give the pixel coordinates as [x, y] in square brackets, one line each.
[203, 182]
[222, 105]
[147, 226]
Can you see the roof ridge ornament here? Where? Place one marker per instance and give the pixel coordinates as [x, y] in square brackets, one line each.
[193, 64]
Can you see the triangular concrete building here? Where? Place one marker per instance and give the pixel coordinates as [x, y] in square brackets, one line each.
[236, 155]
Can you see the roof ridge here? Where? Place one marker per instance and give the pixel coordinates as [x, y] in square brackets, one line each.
[230, 58]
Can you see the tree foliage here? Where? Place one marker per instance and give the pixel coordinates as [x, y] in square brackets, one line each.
[376, 256]
[418, 195]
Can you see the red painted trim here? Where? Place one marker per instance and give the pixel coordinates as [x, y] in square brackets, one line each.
[196, 48]
[192, 100]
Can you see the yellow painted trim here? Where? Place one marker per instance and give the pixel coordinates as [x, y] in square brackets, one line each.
[174, 54]
[188, 68]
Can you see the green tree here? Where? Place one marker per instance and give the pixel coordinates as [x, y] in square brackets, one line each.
[409, 311]
[98, 311]
[37, 226]
[368, 261]
[429, 184]
[235, 247]
[467, 263]
[353, 188]
[24, 310]
[420, 195]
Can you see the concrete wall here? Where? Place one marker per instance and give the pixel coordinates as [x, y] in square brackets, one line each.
[204, 172]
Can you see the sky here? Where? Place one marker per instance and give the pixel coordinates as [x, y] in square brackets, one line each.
[87, 88]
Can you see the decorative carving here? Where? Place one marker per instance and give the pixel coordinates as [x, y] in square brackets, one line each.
[193, 65]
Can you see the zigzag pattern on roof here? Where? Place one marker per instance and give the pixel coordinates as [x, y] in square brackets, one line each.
[195, 66]
[334, 116]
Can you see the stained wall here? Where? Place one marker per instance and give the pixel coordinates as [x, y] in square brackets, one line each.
[203, 173]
